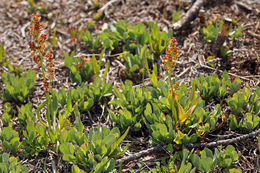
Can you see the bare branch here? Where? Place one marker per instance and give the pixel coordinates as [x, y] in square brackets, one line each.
[189, 16]
[160, 147]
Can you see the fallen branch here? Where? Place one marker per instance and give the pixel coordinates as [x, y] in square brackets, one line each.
[231, 74]
[244, 7]
[106, 5]
[143, 153]
[257, 36]
[224, 142]
[190, 15]
[160, 147]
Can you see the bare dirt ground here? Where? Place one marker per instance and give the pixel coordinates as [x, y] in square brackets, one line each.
[63, 15]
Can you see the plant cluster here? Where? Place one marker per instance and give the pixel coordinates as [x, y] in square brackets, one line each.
[85, 96]
[217, 32]
[168, 111]
[13, 90]
[213, 88]
[95, 150]
[11, 164]
[205, 161]
[245, 109]
[83, 69]
[213, 29]
[135, 46]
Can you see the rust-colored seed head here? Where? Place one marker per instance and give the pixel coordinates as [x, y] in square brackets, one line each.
[43, 37]
[50, 66]
[36, 28]
[46, 86]
[37, 60]
[172, 54]
[176, 86]
[38, 50]
[32, 47]
[49, 57]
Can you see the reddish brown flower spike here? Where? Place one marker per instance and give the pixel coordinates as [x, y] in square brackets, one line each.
[36, 18]
[44, 36]
[177, 84]
[49, 57]
[172, 54]
[32, 46]
[46, 86]
[38, 48]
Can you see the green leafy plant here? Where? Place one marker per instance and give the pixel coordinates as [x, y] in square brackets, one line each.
[35, 138]
[213, 88]
[3, 57]
[225, 51]
[24, 112]
[34, 7]
[98, 15]
[9, 112]
[211, 30]
[95, 3]
[245, 109]
[82, 69]
[186, 161]
[237, 33]
[227, 157]
[158, 41]
[38, 134]
[249, 122]
[11, 165]
[209, 61]
[98, 90]
[10, 140]
[176, 16]
[91, 24]
[176, 114]
[6, 118]
[85, 96]
[221, 158]
[239, 101]
[135, 63]
[123, 36]
[94, 43]
[13, 90]
[173, 117]
[130, 104]
[95, 150]
[216, 33]
[56, 120]
[76, 169]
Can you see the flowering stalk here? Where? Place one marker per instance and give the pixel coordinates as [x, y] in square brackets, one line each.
[172, 54]
[38, 50]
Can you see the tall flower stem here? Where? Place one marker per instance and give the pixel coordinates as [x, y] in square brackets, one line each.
[38, 50]
[172, 54]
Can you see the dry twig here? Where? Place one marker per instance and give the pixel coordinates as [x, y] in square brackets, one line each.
[160, 147]
[106, 5]
[224, 142]
[190, 15]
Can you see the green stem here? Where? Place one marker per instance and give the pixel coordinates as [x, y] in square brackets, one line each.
[170, 78]
[43, 72]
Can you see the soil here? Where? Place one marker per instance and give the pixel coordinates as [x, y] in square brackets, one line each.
[62, 16]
